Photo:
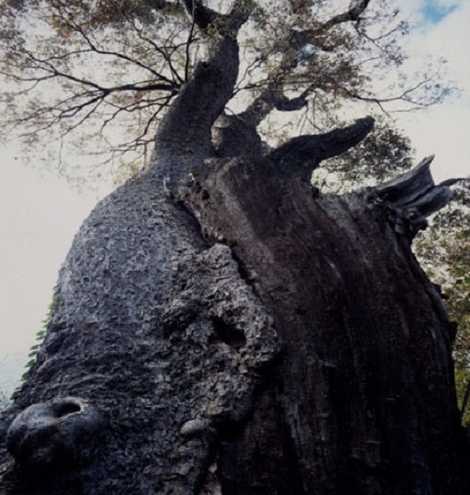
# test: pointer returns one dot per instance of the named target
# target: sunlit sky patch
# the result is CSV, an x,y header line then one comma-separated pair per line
x,y
435,11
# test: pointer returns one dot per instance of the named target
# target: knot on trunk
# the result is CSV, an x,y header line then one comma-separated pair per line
x,y
57,432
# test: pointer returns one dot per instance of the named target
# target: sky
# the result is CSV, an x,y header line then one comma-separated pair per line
x,y
40,212
436,11
443,130
39,215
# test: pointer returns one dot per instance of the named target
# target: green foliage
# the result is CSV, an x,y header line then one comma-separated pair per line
x,y
444,252
38,340
462,384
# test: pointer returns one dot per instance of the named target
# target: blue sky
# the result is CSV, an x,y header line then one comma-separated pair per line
x,y
434,11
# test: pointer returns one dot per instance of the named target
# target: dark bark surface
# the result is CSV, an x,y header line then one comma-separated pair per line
x,y
220,327
363,400
249,337
142,329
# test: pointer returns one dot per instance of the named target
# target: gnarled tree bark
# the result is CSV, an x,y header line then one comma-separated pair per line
x,y
219,326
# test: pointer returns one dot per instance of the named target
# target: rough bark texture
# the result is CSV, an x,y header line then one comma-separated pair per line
x,y
165,324
157,329
220,327
363,400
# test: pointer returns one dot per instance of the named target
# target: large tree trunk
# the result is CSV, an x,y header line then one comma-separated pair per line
x,y
363,399
250,336
220,327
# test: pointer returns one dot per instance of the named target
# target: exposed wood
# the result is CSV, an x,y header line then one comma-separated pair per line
x,y
406,188
414,196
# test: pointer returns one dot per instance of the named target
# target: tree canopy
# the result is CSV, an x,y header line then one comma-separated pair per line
x,y
444,251
100,75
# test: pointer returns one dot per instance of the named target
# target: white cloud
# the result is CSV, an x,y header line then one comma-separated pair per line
x,y
450,3
443,129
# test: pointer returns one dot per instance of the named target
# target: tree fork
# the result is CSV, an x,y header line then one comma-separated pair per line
x,y
184,135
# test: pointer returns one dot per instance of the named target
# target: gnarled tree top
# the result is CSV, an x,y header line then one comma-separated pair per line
x,y
102,75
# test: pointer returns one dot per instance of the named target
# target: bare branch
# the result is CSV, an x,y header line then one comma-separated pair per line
x,y
351,15
406,96
302,154
269,99
161,50
122,56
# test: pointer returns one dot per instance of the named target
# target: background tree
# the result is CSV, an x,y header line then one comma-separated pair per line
x,y
220,326
444,250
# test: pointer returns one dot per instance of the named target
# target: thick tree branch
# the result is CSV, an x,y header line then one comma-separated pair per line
x,y
225,24
186,129
238,133
272,98
202,15
304,153
233,136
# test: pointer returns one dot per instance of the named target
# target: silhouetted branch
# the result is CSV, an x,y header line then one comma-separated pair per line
x,y
414,196
201,15
304,153
272,96
187,126
352,14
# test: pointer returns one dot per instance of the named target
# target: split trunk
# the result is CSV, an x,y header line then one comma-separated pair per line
x,y
249,336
